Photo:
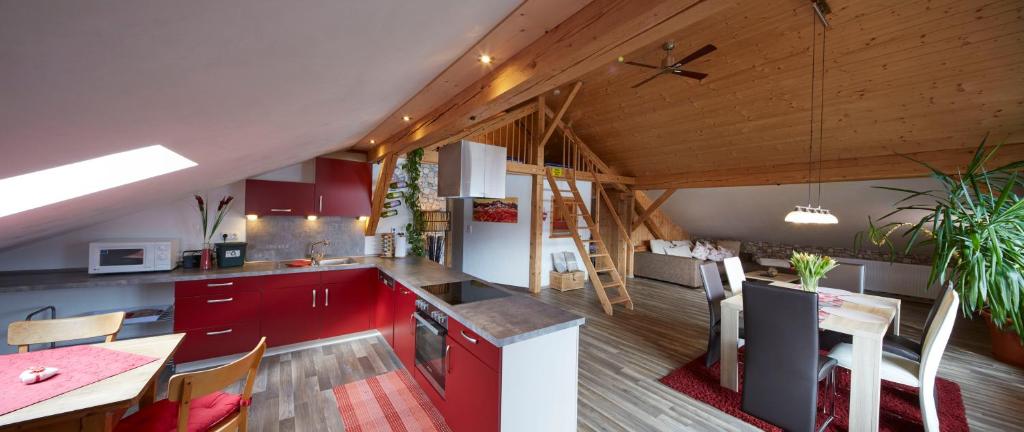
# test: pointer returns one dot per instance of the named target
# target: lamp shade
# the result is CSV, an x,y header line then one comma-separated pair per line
x,y
811,215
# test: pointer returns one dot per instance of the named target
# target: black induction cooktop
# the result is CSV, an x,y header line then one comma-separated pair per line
x,y
468,291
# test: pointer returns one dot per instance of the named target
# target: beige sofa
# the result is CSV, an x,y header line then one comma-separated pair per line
x,y
668,268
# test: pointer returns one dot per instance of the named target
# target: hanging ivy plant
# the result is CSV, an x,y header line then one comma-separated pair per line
x,y
411,196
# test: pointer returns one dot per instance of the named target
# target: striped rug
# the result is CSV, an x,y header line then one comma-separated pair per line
x,y
389,402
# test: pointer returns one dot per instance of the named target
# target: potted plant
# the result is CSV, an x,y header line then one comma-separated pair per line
x,y
206,256
974,229
811,268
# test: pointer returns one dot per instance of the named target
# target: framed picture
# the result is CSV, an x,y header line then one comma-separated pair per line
x,y
500,210
559,228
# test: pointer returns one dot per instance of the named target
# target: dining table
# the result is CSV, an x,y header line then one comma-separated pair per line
x,y
93,406
865,317
763,275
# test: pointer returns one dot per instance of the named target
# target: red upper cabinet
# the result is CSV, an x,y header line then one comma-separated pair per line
x,y
342,188
278,198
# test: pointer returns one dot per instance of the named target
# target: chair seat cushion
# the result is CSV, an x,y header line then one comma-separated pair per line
x,y
903,347
825,365
204,413
894,368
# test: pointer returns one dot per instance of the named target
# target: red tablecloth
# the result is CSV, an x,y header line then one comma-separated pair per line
x,y
79,366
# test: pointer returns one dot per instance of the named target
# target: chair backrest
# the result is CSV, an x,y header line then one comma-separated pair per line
x,y
713,289
183,388
934,311
937,335
847,277
734,272
25,333
780,364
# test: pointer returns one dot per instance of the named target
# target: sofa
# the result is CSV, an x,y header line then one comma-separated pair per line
x,y
668,268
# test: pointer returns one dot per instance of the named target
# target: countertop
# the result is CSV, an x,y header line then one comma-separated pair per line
x,y
501,321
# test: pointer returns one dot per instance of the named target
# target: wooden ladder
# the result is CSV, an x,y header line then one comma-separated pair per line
x,y
602,262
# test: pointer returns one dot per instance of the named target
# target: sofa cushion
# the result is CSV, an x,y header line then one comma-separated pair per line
x,y
679,251
732,245
701,251
658,246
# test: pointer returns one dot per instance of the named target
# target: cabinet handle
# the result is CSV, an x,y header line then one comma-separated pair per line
x,y
314,298
215,333
327,296
321,204
211,285
281,210
448,358
471,340
223,300
412,320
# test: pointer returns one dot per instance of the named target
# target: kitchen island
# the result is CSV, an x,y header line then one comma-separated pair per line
x,y
511,362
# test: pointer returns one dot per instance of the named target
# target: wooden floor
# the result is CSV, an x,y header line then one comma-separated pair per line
x,y
621,359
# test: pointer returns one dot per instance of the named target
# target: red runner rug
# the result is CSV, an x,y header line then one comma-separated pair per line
x,y
79,366
899,406
389,402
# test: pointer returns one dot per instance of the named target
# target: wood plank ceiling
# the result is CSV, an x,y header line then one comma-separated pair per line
x,y
923,77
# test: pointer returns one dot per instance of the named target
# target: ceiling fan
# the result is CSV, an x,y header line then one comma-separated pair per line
x,y
669,66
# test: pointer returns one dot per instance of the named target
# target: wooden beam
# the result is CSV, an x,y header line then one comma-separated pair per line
x,y
491,124
849,169
557,118
590,38
654,206
387,169
537,205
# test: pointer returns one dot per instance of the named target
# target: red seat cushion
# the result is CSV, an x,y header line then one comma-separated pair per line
x,y
205,412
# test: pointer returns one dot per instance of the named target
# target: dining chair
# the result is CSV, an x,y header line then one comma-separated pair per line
x,y
25,333
908,348
734,273
917,374
782,365
206,406
715,293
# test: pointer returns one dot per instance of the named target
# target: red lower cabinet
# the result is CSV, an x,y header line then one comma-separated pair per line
x,y
384,311
348,302
218,341
472,393
289,314
405,326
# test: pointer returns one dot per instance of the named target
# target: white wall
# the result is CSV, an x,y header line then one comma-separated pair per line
x,y
500,252
178,219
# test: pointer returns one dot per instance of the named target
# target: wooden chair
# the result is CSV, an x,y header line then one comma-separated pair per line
x,y
917,374
734,272
25,333
196,400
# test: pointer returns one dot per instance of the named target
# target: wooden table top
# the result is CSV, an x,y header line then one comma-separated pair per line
x,y
885,309
763,275
118,391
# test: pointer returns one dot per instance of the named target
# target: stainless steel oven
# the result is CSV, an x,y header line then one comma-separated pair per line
x,y
432,344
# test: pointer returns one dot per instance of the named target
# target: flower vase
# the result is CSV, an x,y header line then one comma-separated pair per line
x,y
809,283
206,257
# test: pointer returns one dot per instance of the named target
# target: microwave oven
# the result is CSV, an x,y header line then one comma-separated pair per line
x,y
130,256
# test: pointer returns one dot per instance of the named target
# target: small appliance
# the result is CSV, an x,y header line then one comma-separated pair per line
x,y
132,256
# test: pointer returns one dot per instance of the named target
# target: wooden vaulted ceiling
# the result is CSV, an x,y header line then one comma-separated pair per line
x,y
925,78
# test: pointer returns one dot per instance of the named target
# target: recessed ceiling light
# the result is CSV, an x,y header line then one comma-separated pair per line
x,y
486,59
52,185
311,217
252,217
373,141
406,118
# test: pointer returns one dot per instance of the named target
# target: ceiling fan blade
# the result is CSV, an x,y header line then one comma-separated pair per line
x,y
647,80
695,75
705,50
642,65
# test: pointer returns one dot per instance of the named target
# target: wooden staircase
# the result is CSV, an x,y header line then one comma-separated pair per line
x,y
603,263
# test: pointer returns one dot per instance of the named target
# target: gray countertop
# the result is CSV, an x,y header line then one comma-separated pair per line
x,y
502,321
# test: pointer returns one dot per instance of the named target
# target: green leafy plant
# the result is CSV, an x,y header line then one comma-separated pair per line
x,y
975,230
811,268
411,195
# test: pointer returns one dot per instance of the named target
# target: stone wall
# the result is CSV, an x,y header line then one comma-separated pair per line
x,y
276,238
763,249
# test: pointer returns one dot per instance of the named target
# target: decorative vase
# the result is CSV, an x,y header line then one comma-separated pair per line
x,y
809,283
1006,345
206,257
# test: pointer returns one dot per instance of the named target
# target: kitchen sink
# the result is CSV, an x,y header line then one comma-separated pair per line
x,y
337,261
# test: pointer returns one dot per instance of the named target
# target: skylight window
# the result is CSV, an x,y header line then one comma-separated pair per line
x,y
53,185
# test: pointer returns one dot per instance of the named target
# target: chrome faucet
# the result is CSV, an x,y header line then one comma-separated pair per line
x,y
317,255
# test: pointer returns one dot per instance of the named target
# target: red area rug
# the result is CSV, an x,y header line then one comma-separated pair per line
x,y
899,407
389,402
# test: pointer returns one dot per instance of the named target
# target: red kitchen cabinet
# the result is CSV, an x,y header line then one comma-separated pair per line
x,y
405,326
216,341
342,188
290,313
472,393
279,198
384,312
348,301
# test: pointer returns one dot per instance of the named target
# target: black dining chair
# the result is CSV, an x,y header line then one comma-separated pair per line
x,y
782,365
715,293
908,348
